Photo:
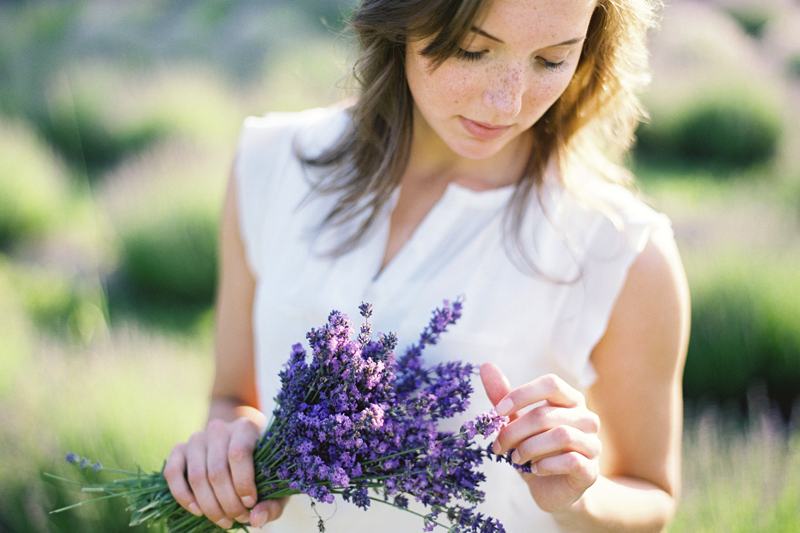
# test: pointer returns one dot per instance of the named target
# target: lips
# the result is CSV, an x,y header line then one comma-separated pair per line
x,y
482,130
487,125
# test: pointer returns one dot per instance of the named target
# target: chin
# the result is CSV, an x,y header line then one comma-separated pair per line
x,y
475,149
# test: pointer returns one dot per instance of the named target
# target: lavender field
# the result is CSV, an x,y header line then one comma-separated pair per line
x,y
118,124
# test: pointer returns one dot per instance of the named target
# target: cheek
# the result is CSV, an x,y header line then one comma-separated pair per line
x,y
450,85
545,91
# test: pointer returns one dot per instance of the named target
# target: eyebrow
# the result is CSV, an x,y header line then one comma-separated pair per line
x,y
492,37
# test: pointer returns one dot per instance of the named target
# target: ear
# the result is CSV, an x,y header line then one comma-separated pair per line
x,y
495,383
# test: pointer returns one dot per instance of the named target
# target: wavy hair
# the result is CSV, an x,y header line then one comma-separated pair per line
x,y
590,127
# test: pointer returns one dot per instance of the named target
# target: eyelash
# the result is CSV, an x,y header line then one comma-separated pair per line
x,y
475,56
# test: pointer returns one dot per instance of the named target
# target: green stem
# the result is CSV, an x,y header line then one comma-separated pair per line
x,y
405,509
106,497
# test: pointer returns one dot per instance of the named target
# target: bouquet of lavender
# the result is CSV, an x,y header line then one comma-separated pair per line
x,y
354,420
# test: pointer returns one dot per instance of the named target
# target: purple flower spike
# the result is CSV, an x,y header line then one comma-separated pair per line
x,y
366,329
365,309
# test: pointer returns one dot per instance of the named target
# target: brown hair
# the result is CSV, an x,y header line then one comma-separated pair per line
x,y
591,125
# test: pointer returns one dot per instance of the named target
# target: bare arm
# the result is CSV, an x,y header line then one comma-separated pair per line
x,y
233,393
639,362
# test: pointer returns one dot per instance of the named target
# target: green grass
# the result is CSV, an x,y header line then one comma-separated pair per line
x,y
738,479
33,184
125,402
16,332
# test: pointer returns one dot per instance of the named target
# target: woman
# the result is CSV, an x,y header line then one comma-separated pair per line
x,y
479,159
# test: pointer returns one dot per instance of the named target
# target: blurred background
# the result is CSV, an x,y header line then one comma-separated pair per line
x,y
118,125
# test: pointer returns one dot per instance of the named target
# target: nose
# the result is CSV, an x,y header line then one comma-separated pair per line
x,y
504,94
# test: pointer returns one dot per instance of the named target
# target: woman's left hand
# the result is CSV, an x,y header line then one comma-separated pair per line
x,y
559,437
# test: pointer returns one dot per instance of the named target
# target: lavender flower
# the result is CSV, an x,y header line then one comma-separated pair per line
x,y
352,419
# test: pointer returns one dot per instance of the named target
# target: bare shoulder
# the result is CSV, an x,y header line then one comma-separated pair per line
x,y
655,301
650,321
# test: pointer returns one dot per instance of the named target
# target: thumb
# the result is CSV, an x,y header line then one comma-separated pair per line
x,y
276,507
495,382
267,511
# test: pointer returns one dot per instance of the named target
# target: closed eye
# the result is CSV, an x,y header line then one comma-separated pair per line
x,y
550,65
476,56
469,56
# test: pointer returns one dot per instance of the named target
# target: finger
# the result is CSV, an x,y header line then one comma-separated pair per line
x,y
219,474
557,441
240,458
197,474
495,382
261,513
276,508
585,471
541,419
549,387
175,474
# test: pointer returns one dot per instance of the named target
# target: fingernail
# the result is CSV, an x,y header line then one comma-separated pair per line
x,y
224,523
515,457
534,470
259,518
194,509
504,407
243,518
248,501
496,447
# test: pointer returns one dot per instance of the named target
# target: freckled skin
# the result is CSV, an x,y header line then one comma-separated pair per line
x,y
509,85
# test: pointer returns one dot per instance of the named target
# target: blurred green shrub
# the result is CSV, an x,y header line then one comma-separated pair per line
x,y
745,328
173,254
70,309
99,113
728,123
752,18
78,127
84,119
165,209
713,100
33,185
793,65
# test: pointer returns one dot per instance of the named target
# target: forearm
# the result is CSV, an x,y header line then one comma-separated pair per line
x,y
619,504
229,408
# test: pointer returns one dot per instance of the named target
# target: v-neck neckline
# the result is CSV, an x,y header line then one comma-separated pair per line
x,y
454,192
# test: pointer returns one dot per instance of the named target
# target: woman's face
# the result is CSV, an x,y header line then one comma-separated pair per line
x,y
511,69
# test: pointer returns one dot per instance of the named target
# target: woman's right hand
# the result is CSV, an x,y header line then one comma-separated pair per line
x,y
218,465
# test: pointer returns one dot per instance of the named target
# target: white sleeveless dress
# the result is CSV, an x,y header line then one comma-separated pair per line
x,y
526,325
